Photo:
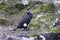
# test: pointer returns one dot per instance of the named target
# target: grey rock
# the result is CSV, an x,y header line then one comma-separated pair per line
x,y
10,38
49,36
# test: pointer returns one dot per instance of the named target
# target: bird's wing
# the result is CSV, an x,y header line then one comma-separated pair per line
x,y
23,18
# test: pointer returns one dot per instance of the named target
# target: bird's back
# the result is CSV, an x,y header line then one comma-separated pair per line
x,y
25,18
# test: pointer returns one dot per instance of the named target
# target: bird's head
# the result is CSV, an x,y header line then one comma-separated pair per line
x,y
28,10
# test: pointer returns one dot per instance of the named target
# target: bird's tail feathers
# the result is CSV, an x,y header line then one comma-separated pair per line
x,y
14,29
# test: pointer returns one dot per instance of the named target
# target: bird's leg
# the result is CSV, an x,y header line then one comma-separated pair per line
x,y
25,29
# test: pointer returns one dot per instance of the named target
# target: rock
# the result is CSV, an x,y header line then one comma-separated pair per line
x,y
10,38
3,36
49,36
25,38
20,37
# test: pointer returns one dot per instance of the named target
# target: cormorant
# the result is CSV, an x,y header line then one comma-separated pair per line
x,y
25,20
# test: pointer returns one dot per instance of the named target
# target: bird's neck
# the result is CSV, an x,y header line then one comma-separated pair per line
x,y
28,13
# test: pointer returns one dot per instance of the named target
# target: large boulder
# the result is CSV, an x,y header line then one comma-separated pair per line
x,y
49,36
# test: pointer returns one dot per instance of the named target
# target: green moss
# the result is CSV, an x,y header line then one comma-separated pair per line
x,y
44,8
55,29
47,8
47,26
49,17
33,35
4,22
33,3
35,25
10,11
2,6
19,6
36,11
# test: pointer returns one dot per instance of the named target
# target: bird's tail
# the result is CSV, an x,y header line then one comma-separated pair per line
x,y
14,29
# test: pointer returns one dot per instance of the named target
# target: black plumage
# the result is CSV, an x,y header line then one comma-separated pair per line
x,y
26,18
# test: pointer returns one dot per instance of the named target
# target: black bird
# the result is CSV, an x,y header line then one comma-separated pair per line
x,y
25,20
